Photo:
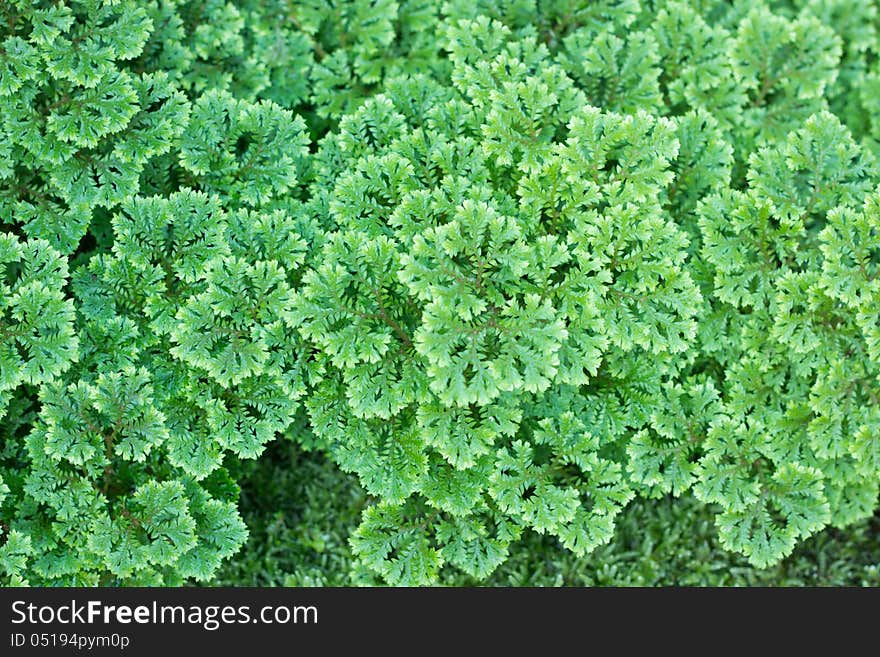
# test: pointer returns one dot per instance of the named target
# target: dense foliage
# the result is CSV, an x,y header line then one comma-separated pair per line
x,y
300,516
532,292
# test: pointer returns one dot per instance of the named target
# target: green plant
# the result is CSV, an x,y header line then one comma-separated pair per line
x,y
516,267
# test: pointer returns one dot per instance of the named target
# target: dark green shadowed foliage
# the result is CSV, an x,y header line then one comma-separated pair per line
x,y
416,292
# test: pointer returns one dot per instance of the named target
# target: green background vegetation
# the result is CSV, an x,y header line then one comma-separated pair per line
x,y
415,292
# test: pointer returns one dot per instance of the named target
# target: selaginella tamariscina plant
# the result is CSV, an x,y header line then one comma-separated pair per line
x,y
511,264
114,432
501,300
501,435
150,162
794,324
